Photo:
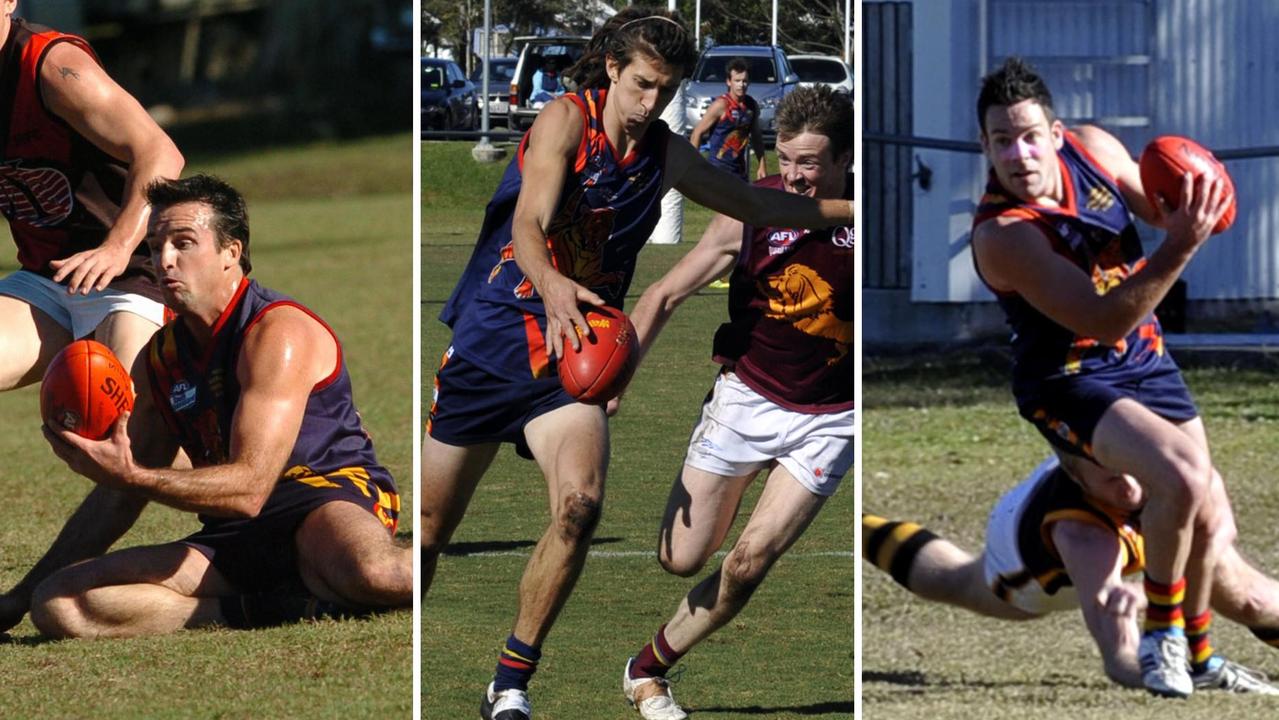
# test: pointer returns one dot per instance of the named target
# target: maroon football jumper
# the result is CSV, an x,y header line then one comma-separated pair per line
x,y
790,304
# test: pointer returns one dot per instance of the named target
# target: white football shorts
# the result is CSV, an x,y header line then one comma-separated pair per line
x,y
742,432
80,314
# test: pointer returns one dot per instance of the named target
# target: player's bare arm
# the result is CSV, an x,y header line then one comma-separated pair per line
x,y
712,116
757,144
552,149
713,256
1094,561
1015,256
76,89
282,359
723,192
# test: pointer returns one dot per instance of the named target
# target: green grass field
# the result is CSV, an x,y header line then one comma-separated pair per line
x,y
942,440
787,655
332,226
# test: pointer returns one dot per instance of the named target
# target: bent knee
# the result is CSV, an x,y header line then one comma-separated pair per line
x,y
578,515
57,615
1187,478
746,566
681,564
385,580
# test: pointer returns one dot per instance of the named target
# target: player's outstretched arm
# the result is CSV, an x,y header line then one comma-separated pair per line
x,y
552,150
77,90
712,116
1093,560
727,194
713,255
1015,256
283,357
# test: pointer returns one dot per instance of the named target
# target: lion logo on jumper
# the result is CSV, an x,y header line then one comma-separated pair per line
x,y
800,295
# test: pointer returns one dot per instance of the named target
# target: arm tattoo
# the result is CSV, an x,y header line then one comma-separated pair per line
x,y
67,72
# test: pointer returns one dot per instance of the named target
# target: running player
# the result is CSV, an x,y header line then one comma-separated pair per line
x,y
783,401
1067,537
1054,239
78,151
298,515
733,122
602,161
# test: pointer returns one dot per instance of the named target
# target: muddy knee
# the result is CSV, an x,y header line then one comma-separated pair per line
x,y
578,516
744,569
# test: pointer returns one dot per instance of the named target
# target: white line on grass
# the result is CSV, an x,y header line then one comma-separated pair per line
x,y
647,554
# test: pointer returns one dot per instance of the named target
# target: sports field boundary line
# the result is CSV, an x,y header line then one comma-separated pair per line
x,y
642,554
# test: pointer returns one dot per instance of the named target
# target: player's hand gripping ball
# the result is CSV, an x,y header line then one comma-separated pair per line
x,y
1167,158
85,389
600,370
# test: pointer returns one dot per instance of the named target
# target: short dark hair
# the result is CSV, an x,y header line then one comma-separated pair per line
x,y
231,215
1012,83
817,109
738,64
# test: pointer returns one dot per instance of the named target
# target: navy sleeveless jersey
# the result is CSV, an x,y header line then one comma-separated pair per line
x,y
1093,229
731,136
606,212
197,392
790,303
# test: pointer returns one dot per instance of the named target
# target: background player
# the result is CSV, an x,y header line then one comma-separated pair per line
x,y
783,401
1067,537
1054,240
733,123
253,387
79,151
602,162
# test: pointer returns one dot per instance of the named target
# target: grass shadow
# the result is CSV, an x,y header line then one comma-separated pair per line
x,y
836,707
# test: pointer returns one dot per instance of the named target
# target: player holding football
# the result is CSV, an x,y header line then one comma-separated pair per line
x,y
298,515
1053,238
783,401
602,161
1066,537
733,122
78,152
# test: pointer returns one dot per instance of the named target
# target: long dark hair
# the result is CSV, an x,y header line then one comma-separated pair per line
x,y
660,34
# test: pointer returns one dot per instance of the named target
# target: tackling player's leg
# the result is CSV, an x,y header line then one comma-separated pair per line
x,y
784,511
30,339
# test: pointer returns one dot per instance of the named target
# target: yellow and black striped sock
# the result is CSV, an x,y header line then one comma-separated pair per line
x,y
1197,637
1163,611
892,545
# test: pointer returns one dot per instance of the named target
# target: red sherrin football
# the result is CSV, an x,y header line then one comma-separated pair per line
x,y
85,389
600,370
1167,158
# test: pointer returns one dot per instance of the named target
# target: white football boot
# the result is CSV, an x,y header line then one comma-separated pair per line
x,y
661,706
509,704
1165,670
1232,677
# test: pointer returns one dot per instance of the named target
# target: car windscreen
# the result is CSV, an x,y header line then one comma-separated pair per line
x,y
559,56
432,77
499,71
813,70
714,68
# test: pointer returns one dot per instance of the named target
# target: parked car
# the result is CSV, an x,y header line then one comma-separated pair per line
x,y
448,98
771,80
537,53
501,70
823,70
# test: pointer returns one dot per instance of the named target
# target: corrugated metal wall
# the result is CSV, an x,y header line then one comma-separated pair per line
x,y
887,55
1208,69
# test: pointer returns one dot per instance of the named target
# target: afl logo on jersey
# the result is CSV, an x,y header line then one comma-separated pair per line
x,y
36,196
779,241
182,396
